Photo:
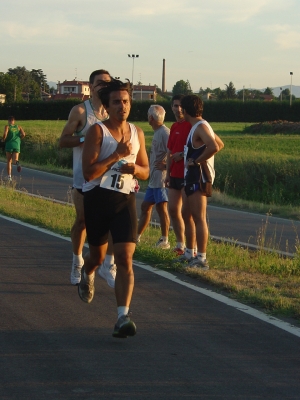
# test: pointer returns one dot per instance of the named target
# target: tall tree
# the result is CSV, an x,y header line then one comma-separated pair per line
x,y
269,91
230,91
205,91
23,76
10,86
182,87
31,82
41,79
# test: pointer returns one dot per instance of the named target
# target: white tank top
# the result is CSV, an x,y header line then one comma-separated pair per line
x,y
91,119
113,179
189,141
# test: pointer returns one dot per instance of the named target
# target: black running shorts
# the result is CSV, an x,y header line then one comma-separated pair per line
x,y
176,183
106,210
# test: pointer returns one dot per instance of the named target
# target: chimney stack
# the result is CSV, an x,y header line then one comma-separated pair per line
x,y
163,86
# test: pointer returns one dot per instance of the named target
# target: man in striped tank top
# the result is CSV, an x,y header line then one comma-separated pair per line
x,y
114,153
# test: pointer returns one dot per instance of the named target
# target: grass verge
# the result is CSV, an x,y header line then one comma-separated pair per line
x,y
266,280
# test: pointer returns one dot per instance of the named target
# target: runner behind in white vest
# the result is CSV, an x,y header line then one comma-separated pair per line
x,y
81,117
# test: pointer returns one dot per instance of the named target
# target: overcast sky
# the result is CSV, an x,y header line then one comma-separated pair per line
x,y
253,43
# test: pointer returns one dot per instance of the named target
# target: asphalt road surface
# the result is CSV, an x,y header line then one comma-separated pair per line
x,y
188,345
255,229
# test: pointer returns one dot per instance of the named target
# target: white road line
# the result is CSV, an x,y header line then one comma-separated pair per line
x,y
216,296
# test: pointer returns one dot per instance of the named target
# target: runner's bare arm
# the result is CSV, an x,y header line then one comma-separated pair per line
x,y
168,165
5,133
22,132
219,142
75,123
202,136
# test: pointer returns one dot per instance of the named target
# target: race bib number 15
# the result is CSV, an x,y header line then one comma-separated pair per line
x,y
113,180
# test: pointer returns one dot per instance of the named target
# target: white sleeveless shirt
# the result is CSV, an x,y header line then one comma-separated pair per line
x,y
189,145
113,179
91,119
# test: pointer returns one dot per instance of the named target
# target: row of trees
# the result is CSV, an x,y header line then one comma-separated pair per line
x,y
19,82
184,87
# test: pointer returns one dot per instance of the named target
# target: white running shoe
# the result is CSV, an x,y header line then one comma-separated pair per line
x,y
197,263
76,274
108,273
161,244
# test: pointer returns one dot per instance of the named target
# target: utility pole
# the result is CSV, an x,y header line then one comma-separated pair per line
x,y
291,88
133,56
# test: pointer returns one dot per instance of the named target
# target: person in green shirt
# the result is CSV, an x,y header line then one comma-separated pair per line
x,y
12,137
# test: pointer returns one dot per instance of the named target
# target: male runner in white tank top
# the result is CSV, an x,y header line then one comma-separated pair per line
x,y
81,117
202,143
113,154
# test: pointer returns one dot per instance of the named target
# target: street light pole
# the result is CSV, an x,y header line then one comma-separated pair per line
x,y
281,94
133,56
291,88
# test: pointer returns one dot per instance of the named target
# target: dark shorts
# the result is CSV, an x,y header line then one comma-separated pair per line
x,y
205,189
176,183
12,150
106,210
78,190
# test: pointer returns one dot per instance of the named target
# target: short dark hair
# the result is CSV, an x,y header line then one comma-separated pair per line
x,y
97,72
11,118
113,86
193,105
176,97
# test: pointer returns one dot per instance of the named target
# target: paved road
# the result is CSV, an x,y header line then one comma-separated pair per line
x,y
188,345
239,226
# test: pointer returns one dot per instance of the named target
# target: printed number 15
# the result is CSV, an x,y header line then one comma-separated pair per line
x,y
117,181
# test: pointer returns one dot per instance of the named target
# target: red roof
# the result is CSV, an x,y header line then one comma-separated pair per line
x,y
74,82
148,88
267,97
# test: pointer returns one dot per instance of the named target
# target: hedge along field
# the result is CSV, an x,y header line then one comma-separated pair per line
x,y
214,111
263,168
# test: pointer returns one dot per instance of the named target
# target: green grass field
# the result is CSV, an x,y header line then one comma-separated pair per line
x,y
263,169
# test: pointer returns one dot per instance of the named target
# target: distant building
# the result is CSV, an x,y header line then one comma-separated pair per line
x,y
209,96
72,89
81,90
2,98
267,97
143,92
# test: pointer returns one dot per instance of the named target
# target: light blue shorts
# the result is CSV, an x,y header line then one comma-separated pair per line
x,y
156,195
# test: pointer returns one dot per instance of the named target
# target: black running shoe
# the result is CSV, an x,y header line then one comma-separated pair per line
x,y
124,327
19,168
